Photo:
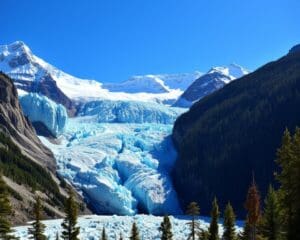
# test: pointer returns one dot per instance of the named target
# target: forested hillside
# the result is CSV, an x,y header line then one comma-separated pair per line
x,y
234,133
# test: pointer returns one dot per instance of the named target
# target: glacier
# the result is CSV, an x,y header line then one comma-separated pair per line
x,y
91,227
39,108
120,168
107,111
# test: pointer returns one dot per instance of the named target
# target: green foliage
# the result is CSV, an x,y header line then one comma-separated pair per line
x,y
22,170
288,158
134,232
5,212
214,227
229,223
270,222
103,235
70,230
193,210
235,131
203,235
38,228
166,229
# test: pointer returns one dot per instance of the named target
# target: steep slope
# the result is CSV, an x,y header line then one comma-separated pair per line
x,y
28,166
13,123
235,131
213,80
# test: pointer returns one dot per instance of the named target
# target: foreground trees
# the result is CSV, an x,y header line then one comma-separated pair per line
x,y
229,223
193,210
166,229
134,232
214,227
70,230
38,228
5,212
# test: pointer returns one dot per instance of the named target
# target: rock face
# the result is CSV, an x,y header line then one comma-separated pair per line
x,y
25,162
39,108
14,123
208,83
230,134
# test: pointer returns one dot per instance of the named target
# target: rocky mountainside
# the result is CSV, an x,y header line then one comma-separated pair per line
x,y
28,166
234,132
14,124
208,83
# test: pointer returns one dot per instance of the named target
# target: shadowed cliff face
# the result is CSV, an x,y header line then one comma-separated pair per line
x,y
16,125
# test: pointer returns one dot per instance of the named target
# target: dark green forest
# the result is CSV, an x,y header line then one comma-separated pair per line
x,y
233,134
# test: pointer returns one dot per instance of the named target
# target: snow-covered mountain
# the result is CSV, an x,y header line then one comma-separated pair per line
x,y
32,74
213,80
160,83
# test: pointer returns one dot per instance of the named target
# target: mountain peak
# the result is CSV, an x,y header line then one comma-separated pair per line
x,y
295,48
232,70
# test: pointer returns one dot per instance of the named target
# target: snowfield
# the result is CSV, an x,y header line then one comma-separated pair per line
x,y
91,227
120,168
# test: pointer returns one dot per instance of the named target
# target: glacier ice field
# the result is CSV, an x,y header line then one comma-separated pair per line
x,y
120,168
91,227
117,154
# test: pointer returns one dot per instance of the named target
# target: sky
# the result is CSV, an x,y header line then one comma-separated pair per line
x,y
111,40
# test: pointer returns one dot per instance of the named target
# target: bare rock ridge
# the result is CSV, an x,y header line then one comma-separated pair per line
x,y
16,125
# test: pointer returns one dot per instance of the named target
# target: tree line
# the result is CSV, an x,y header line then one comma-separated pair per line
x,y
278,220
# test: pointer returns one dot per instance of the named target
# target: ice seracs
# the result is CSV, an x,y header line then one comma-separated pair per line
x,y
39,108
120,168
107,111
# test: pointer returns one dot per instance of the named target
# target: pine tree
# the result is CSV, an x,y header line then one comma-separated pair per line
x,y
245,234
166,229
193,210
38,228
70,231
288,159
134,232
57,236
203,235
229,223
269,224
5,212
121,237
214,227
252,206
103,235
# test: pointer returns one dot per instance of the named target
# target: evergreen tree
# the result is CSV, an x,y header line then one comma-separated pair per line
x,y
245,234
193,210
252,206
57,236
5,212
70,231
214,227
229,223
203,235
38,228
288,159
103,234
269,224
134,232
166,229
121,237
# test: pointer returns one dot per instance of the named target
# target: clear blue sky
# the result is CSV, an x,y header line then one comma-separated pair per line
x,y
110,40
